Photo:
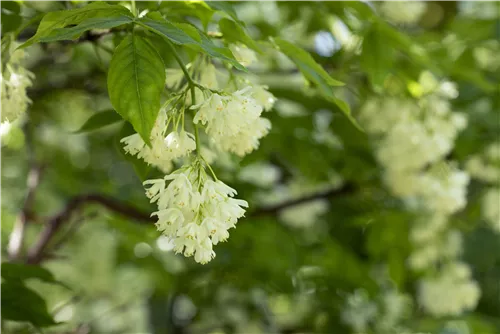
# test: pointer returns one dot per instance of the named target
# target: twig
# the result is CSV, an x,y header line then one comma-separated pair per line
x,y
35,254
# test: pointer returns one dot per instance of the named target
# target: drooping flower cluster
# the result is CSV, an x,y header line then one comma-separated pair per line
x,y
403,12
413,140
195,211
14,80
165,146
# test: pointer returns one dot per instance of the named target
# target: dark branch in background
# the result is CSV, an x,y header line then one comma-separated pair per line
x,y
37,252
17,236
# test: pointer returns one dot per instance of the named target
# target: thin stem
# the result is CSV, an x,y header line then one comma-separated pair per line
x,y
196,134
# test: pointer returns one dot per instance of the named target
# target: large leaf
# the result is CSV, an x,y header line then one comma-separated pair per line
x,y
100,120
136,79
61,19
185,34
233,32
20,303
93,23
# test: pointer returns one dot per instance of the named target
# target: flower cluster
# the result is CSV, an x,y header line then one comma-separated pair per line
x,y
451,292
194,211
14,80
403,12
164,147
413,140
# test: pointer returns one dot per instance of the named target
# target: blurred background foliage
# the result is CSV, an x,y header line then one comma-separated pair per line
x,y
282,271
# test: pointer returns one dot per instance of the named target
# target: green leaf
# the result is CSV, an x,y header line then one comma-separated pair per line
x,y
176,33
11,20
99,120
313,72
185,34
233,33
136,79
308,66
61,19
223,6
377,57
93,23
20,303
20,272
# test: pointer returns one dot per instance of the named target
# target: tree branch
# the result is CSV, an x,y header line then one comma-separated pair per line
x,y
36,254
17,236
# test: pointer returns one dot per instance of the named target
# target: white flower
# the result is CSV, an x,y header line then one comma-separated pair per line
x,y
195,211
359,311
14,79
164,149
263,97
243,55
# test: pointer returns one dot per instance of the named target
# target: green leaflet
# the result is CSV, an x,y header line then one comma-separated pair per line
x,y
100,120
185,34
233,32
61,19
93,23
136,79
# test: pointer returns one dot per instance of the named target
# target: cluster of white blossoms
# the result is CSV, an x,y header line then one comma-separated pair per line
x,y
485,167
194,211
165,145
451,292
403,12
413,139
15,79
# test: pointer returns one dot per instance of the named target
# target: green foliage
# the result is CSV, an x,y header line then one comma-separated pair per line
x,y
11,20
233,32
99,120
61,19
136,79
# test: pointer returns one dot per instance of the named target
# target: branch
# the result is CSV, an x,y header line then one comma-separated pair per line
x,y
17,236
35,254
330,193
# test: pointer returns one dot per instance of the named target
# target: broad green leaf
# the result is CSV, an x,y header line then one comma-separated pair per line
x,y
99,120
20,303
233,33
136,79
61,19
185,34
181,9
223,6
93,23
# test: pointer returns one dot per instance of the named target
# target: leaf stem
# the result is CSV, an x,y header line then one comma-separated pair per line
x,y
192,86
